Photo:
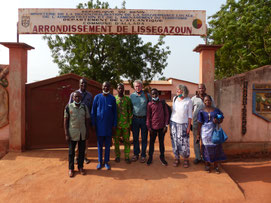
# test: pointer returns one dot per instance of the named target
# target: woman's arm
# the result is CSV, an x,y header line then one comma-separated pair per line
x,y
190,116
189,126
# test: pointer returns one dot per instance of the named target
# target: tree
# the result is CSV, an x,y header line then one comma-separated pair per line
x,y
243,27
108,57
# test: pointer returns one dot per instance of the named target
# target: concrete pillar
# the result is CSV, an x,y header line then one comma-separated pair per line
x,y
17,80
207,66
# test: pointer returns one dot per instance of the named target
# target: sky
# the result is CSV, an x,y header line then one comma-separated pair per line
x,y
183,63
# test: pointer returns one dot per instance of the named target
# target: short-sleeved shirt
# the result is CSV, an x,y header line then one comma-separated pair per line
x,y
140,103
181,110
198,104
87,99
77,117
124,110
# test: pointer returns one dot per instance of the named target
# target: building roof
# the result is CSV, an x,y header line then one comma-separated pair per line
x,y
163,82
182,80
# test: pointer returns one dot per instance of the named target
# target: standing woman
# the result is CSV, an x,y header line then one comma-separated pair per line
x,y
207,120
180,124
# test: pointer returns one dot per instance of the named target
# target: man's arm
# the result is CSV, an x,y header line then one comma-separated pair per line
x,y
213,102
94,112
148,118
66,128
166,114
87,122
130,111
114,105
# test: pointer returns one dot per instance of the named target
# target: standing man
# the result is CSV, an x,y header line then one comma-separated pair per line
x,y
139,100
124,109
87,100
76,123
104,121
198,104
157,122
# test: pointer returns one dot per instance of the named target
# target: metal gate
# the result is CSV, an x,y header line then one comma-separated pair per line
x,y
45,103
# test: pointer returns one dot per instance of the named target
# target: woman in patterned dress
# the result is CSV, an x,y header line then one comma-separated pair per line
x,y
207,119
180,124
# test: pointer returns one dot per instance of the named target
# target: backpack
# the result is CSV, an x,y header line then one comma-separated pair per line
x,y
165,105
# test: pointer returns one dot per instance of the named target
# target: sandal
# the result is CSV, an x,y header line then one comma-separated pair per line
x,y
186,163
176,162
134,158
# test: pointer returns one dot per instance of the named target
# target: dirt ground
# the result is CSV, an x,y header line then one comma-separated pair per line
x,y
253,176
42,176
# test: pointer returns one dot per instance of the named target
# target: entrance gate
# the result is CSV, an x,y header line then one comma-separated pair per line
x,y
45,104
22,135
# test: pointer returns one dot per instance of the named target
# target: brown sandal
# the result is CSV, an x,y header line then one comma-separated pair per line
x,y
186,164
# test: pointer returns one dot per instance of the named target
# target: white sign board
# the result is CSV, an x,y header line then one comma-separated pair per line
x,y
112,21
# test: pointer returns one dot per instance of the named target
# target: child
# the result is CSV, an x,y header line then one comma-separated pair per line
x,y
157,121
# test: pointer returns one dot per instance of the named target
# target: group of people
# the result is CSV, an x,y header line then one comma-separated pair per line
x,y
116,116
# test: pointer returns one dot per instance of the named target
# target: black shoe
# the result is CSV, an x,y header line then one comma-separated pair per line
x,y
149,161
163,161
117,159
208,168
87,161
197,161
217,170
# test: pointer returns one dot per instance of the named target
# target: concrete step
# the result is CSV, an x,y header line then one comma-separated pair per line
x,y
4,140
4,144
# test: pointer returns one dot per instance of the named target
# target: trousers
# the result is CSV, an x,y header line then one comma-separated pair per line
x,y
161,136
196,145
106,142
81,149
125,133
140,123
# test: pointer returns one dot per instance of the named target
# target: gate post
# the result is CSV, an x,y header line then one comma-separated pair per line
x,y
207,66
17,80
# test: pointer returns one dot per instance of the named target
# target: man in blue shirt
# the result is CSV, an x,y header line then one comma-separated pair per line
x,y
139,101
87,100
104,120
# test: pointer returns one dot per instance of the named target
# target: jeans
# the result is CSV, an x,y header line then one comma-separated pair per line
x,y
161,136
81,149
140,123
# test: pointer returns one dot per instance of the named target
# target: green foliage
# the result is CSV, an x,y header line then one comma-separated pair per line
x,y
108,57
243,27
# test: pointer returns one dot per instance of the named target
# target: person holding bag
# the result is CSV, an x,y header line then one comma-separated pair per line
x,y
208,119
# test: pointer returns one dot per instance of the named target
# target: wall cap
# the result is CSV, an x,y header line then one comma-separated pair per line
x,y
202,47
17,45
